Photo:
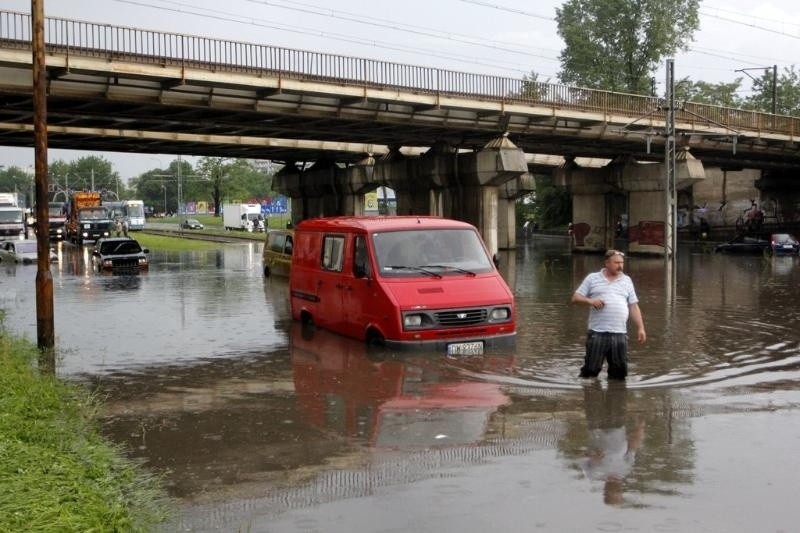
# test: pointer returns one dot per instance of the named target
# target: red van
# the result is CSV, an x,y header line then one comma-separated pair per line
x,y
406,281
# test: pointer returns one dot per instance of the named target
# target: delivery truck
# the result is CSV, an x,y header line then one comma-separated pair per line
x,y
401,282
12,217
243,217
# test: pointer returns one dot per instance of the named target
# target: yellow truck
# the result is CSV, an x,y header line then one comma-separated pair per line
x,y
87,218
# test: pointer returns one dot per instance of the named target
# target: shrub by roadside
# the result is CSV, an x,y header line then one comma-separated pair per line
x,y
57,473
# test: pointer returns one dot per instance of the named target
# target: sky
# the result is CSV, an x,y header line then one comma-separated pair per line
x,y
508,38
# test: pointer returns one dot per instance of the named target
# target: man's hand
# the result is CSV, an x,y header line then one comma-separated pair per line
x,y
597,303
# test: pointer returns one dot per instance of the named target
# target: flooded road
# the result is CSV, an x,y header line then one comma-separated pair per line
x,y
260,425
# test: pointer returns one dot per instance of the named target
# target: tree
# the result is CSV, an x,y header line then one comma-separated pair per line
x,y
215,170
15,179
788,92
701,92
616,45
550,206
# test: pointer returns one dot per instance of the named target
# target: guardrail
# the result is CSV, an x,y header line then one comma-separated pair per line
x,y
80,38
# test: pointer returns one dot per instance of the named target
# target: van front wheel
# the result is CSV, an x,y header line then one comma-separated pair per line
x,y
375,339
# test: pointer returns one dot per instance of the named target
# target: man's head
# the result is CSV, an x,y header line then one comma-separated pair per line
x,y
614,262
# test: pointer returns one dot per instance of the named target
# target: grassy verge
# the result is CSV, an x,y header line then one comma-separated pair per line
x,y
157,242
56,471
210,221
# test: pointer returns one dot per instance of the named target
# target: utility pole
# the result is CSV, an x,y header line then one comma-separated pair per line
x,y
774,83
44,278
774,89
670,192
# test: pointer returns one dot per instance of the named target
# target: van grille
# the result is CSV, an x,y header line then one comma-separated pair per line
x,y
463,317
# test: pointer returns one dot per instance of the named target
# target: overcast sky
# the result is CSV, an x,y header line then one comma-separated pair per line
x,y
503,37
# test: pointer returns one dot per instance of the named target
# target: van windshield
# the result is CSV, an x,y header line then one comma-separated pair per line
x,y
430,252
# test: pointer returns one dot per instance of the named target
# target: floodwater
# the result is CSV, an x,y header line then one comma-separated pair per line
x,y
259,425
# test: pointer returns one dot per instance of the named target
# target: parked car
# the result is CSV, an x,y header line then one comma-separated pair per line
x,y
191,223
23,251
119,254
745,245
277,255
783,243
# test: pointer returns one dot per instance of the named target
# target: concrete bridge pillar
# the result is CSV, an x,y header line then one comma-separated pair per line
x,y
356,180
320,192
624,187
508,193
475,199
401,173
437,173
287,181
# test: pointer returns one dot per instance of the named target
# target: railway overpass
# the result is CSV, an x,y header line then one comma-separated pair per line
x,y
450,143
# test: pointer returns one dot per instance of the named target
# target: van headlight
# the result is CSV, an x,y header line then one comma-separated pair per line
x,y
417,320
412,321
500,314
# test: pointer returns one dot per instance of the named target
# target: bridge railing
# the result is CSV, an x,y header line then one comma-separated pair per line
x,y
80,38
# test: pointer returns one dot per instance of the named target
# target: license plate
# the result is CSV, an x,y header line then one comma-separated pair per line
x,y
465,348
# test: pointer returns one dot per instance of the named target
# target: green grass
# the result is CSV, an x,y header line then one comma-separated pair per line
x,y
57,473
157,242
210,221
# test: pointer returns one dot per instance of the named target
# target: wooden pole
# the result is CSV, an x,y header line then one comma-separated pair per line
x,y
44,278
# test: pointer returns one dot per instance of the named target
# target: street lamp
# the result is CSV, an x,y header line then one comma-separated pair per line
x,y
165,198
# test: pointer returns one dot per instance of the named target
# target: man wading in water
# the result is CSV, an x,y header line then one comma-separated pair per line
x,y
611,297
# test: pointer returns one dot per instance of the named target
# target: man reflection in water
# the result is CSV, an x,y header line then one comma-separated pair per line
x,y
611,451
611,298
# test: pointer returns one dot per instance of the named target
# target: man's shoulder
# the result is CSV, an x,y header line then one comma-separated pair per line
x,y
594,276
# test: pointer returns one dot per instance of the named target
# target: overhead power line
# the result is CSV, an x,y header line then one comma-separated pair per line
x,y
750,25
509,9
232,17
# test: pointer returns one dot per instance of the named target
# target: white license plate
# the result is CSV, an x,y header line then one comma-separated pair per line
x,y
465,348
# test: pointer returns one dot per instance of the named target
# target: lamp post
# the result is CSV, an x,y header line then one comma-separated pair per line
x,y
164,186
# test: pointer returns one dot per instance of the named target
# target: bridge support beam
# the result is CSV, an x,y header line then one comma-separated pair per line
x,y
604,197
467,186
508,194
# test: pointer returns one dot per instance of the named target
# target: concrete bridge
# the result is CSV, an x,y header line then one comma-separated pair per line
x,y
450,143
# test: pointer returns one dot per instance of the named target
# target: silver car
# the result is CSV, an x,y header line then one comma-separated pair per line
x,y
22,251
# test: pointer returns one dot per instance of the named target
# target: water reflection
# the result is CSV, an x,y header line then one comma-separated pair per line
x,y
611,449
260,426
413,402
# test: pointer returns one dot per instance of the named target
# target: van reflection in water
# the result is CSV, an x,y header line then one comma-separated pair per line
x,y
409,402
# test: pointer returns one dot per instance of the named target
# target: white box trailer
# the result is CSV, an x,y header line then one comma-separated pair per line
x,y
242,217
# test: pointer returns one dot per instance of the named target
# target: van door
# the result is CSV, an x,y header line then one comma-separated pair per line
x,y
331,282
358,295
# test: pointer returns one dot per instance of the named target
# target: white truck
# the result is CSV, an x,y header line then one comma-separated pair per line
x,y
243,217
12,217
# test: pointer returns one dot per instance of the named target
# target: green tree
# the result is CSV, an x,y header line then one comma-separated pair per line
x,y
616,45
215,170
550,206
701,92
16,179
788,92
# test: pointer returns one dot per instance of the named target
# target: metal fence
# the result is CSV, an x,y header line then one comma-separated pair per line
x,y
79,38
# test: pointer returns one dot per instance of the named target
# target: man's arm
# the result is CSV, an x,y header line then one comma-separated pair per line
x,y
638,321
578,298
